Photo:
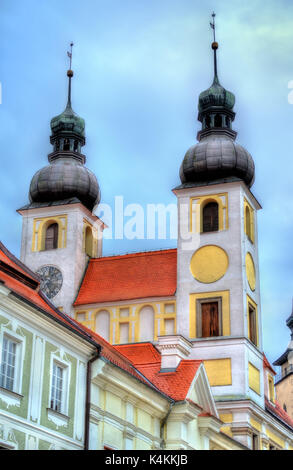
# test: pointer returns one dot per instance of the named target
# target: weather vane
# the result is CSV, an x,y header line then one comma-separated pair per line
x,y
70,55
213,26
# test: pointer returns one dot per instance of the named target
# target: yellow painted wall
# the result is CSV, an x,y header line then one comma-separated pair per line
x,y
40,226
218,371
227,418
209,264
225,310
144,420
197,204
254,378
249,228
163,311
256,424
113,404
273,437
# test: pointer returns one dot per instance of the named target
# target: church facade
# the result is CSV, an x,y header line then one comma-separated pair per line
x,y
197,302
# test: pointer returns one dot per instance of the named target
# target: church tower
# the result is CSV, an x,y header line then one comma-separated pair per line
x,y
218,293
60,231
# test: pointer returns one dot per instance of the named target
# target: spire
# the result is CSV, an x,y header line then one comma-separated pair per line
x,y
215,105
68,129
69,75
215,46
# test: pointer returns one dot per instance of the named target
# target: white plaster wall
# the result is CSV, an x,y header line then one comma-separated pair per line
x,y
71,260
236,244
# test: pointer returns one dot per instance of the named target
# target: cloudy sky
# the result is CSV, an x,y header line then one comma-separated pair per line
x,y
139,67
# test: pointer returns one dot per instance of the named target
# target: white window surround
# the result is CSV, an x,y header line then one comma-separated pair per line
x,y
66,368
19,358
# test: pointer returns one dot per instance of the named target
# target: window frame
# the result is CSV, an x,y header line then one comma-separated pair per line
x,y
251,304
208,300
19,358
203,208
66,368
55,236
249,230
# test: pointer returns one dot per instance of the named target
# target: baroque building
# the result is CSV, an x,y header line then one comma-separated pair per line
x,y
186,321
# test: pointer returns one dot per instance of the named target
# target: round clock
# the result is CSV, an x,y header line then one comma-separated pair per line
x,y
51,280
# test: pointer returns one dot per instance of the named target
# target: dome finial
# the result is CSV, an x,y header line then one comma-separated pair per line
x,y
69,75
215,46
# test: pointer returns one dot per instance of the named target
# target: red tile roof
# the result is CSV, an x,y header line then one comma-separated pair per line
x,y
147,360
267,365
132,276
142,360
278,412
14,275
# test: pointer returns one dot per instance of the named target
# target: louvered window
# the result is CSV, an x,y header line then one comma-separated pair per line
x,y
210,216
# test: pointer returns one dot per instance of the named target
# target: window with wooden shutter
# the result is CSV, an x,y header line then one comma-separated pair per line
x,y
51,240
210,319
210,217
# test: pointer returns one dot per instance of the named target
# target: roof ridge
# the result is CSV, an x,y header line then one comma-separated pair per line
x,y
132,255
19,263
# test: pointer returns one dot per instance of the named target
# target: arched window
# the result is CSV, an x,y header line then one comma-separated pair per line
x,y
210,217
89,241
208,122
227,122
218,120
51,237
66,145
75,145
103,324
248,222
146,323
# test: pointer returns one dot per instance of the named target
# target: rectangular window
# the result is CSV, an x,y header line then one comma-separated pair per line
x,y
8,364
209,319
57,388
252,324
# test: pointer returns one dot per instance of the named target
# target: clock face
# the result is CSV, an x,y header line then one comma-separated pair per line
x,y
51,280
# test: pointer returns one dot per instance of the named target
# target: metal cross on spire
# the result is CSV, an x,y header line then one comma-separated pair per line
x,y
213,26
215,47
70,55
69,75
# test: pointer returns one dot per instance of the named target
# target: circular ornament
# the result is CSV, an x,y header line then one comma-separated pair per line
x,y
250,271
209,263
51,280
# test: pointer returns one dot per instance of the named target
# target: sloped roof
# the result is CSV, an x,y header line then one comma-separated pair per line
x,y
267,364
131,276
147,359
26,285
277,411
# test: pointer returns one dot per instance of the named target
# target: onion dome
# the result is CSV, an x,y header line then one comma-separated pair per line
x,y
217,157
216,96
66,178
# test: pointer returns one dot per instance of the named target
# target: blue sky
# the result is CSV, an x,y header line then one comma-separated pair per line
x,y
139,68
